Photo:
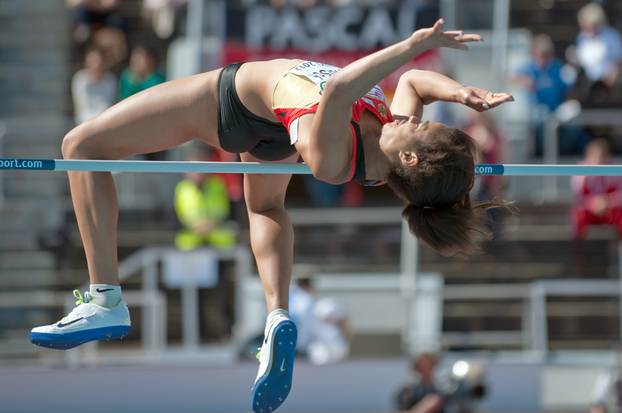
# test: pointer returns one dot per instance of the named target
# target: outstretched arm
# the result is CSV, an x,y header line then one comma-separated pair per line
x,y
421,87
327,149
357,78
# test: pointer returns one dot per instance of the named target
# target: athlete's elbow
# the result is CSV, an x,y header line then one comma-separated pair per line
x,y
324,171
336,88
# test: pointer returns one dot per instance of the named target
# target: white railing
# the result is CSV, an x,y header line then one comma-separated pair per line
x,y
354,290
533,335
147,263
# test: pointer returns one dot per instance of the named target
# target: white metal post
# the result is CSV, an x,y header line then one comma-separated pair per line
x,y
500,29
194,31
190,315
242,272
551,155
408,283
538,322
448,12
150,323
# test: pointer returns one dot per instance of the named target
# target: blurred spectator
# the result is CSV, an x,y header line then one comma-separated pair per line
x,y
483,129
113,45
323,194
598,198
606,394
326,195
141,74
331,338
162,14
301,302
93,88
599,55
607,391
91,15
431,391
323,331
544,78
422,394
599,46
202,206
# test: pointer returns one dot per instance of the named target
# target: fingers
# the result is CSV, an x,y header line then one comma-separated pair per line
x,y
454,39
478,104
459,35
497,99
494,100
438,26
470,38
505,97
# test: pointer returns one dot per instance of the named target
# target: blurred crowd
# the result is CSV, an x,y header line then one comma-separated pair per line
x,y
588,77
112,69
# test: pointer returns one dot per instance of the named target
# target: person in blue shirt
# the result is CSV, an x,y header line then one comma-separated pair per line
x,y
544,78
543,74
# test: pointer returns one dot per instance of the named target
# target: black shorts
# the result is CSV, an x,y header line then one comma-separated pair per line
x,y
240,131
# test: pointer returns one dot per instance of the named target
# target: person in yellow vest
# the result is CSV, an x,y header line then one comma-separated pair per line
x,y
202,206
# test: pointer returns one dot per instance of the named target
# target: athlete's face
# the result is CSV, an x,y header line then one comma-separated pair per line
x,y
399,138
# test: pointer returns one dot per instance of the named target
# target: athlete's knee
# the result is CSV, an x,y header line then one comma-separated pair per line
x,y
73,142
77,144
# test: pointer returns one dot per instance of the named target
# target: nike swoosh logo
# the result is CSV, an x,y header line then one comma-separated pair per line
x,y
61,325
282,368
104,290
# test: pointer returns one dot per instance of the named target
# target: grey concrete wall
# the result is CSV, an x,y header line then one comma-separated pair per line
x,y
356,386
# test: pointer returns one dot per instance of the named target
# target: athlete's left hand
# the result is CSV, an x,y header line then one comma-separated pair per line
x,y
435,36
481,99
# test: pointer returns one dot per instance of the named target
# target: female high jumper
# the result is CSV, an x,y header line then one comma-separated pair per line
x,y
336,120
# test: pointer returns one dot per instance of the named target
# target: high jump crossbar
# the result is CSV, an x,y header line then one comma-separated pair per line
x,y
63,165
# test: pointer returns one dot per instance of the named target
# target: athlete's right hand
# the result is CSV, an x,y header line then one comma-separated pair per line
x,y
433,37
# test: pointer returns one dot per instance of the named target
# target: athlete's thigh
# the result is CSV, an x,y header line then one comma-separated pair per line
x,y
265,191
156,119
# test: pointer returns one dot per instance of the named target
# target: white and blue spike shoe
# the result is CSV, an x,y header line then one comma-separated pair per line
x,y
86,322
276,366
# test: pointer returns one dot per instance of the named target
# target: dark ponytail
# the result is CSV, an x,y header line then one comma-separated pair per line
x,y
436,191
450,230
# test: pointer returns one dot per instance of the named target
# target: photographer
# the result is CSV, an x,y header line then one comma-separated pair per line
x,y
431,392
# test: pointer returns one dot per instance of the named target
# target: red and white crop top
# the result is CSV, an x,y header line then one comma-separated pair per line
x,y
298,93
